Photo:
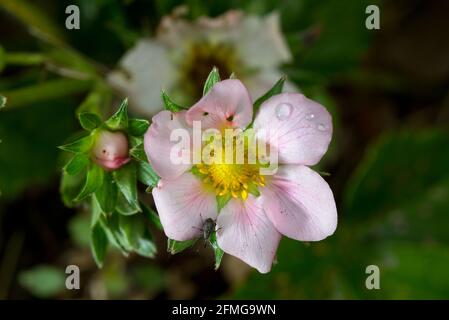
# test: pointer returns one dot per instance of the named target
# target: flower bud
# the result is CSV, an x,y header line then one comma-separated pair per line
x,y
111,149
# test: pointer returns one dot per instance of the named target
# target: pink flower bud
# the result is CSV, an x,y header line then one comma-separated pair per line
x,y
111,150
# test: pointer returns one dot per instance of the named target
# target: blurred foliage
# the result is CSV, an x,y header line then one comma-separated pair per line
x,y
395,217
43,281
28,155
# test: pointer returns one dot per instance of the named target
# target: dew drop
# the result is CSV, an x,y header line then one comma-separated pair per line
x,y
321,127
283,111
310,116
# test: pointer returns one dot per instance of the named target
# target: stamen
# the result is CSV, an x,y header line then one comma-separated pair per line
x,y
231,179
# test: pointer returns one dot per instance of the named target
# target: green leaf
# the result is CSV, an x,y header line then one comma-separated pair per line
x,y
169,104
94,180
276,89
124,207
138,153
114,234
175,247
2,101
77,164
146,174
145,246
45,91
222,201
137,235
138,127
152,216
218,252
89,121
106,195
43,281
212,79
81,145
126,179
99,244
119,121
96,212
70,187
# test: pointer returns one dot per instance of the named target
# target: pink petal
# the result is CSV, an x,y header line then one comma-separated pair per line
x,y
111,149
300,204
158,146
303,128
227,104
244,231
113,164
183,205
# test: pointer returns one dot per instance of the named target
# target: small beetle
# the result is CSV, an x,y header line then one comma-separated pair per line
x,y
208,228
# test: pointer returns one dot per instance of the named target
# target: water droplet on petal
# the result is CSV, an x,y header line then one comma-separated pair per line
x,y
321,127
310,116
283,111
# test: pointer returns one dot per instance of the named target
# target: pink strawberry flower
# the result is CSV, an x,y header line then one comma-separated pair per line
x,y
295,201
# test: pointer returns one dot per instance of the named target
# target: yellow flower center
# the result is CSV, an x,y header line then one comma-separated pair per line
x,y
231,179
236,180
200,58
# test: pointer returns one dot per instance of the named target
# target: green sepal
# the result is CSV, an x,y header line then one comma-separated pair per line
x,y
212,79
96,212
129,234
70,187
106,194
114,234
76,164
124,207
138,153
169,104
146,174
98,244
94,180
138,127
276,89
151,215
89,121
119,120
175,247
81,145
135,142
222,201
126,179
136,235
218,252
